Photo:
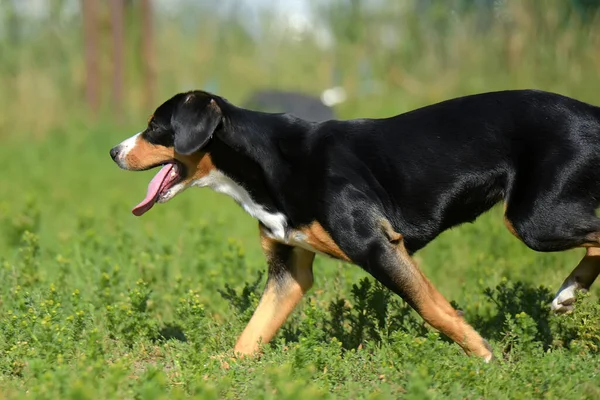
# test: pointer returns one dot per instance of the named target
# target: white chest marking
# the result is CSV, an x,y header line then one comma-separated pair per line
x,y
221,183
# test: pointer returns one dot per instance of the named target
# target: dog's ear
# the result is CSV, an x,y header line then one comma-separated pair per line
x,y
194,121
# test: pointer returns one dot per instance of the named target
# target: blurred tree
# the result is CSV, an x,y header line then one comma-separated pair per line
x,y
345,18
118,59
12,21
147,50
55,9
587,9
90,33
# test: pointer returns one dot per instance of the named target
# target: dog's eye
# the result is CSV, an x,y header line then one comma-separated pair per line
x,y
157,135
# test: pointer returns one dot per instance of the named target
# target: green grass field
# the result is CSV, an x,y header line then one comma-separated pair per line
x,y
97,303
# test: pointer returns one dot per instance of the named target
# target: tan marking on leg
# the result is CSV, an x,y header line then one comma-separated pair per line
x,y
593,240
279,299
509,224
511,228
436,310
319,239
392,235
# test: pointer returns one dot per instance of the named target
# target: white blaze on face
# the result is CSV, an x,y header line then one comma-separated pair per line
x,y
128,144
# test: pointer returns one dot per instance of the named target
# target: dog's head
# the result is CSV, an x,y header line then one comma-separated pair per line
x,y
176,139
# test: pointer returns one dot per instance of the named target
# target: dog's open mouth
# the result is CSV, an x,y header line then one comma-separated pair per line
x,y
169,175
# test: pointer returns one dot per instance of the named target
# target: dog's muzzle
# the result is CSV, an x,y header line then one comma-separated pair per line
x,y
117,154
114,152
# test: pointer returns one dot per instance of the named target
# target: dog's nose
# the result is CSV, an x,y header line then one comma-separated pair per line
x,y
114,152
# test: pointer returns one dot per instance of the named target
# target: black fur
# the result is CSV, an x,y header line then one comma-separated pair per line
x,y
185,122
194,122
424,171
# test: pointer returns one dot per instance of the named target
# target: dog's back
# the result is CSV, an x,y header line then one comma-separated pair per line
x,y
447,163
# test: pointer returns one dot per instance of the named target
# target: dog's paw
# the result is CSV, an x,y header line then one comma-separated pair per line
x,y
490,357
564,301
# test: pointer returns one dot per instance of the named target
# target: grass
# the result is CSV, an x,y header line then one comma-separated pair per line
x,y
96,303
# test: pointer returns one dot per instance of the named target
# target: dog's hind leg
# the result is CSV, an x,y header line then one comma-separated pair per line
x,y
399,272
555,225
581,278
290,277
384,256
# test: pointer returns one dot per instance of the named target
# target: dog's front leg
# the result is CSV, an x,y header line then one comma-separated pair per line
x,y
290,277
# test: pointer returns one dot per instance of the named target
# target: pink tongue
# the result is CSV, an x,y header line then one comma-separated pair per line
x,y
153,188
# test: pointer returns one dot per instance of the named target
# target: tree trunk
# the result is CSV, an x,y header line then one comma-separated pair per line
x,y
90,33
147,41
116,13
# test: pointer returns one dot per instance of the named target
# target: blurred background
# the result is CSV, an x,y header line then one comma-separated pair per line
x,y
79,76
63,61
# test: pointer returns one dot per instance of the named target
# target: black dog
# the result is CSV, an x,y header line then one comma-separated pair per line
x,y
374,191
299,104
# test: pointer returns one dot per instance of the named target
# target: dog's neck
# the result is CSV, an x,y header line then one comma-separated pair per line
x,y
262,136
254,162
273,142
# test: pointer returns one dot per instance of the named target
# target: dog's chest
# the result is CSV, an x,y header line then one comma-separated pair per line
x,y
276,222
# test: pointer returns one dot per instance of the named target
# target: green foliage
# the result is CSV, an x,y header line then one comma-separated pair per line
x,y
581,331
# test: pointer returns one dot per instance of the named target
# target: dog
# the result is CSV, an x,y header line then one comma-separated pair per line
x,y
372,192
299,104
